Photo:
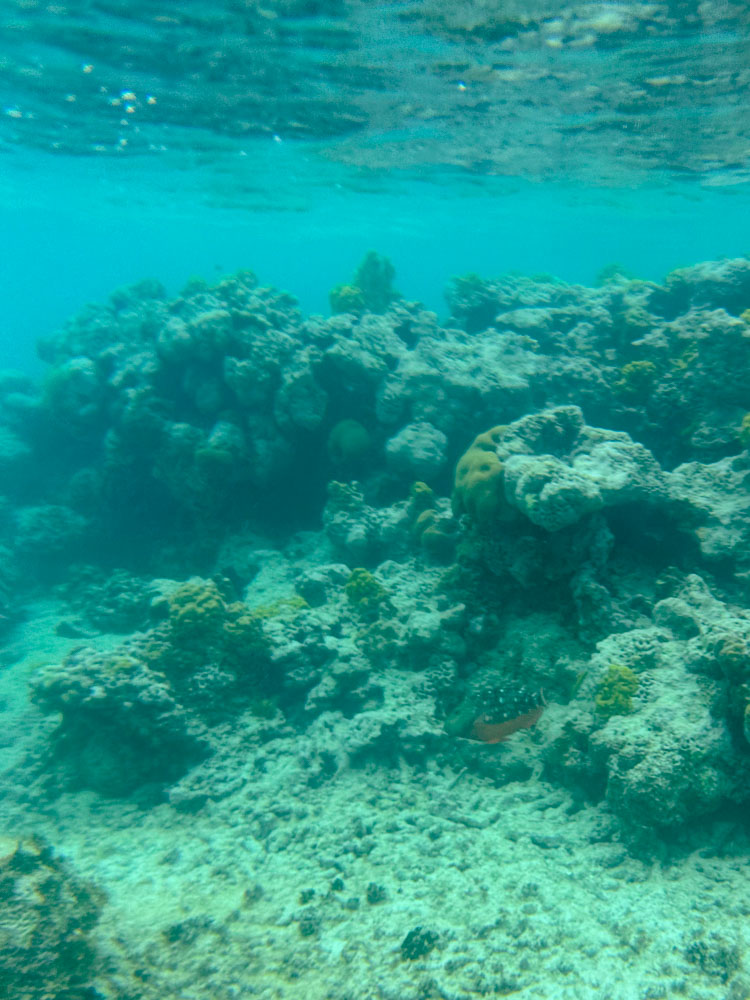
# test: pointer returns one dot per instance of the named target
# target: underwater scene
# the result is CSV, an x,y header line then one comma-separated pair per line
x,y
375,500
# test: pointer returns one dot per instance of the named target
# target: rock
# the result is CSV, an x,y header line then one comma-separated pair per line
x,y
417,452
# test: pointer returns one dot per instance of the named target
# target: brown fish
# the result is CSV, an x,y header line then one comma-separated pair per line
x,y
495,732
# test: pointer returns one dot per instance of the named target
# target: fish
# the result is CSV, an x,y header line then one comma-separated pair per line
x,y
485,730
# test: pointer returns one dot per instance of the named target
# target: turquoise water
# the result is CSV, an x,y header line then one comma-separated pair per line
x,y
294,137
374,428
126,228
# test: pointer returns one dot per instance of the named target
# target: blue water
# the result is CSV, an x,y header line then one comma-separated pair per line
x,y
535,138
74,231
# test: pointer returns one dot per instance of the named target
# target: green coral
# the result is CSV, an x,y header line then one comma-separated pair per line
x,y
195,285
473,300
204,628
371,289
637,379
434,532
375,276
613,272
280,607
196,608
346,299
685,361
733,657
744,432
615,692
242,637
471,284
263,708
349,442
207,659
73,397
364,591
746,722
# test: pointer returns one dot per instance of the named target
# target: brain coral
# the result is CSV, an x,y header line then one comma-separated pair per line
x,y
478,483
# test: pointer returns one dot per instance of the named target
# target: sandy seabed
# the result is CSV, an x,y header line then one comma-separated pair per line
x,y
302,885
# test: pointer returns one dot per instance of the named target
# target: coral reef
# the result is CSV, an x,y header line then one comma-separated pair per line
x,y
680,756
298,623
371,288
140,714
220,402
47,537
121,725
111,602
46,917
364,591
538,608
347,299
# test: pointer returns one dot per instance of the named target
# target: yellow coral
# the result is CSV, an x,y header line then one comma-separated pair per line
x,y
421,498
426,519
615,692
638,379
196,607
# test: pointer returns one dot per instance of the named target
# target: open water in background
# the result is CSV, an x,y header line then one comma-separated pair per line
x,y
290,137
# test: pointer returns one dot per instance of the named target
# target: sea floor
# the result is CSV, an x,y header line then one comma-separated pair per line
x,y
395,882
